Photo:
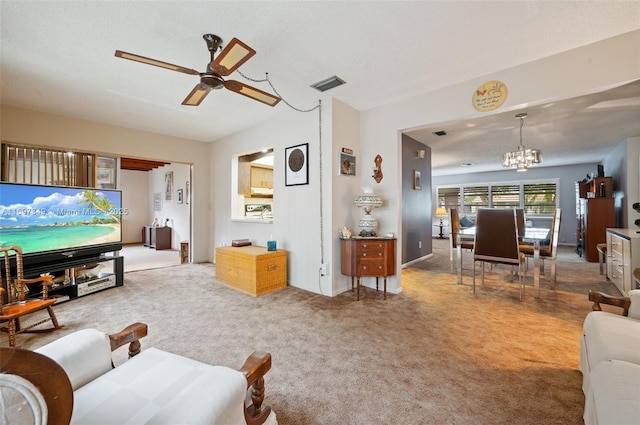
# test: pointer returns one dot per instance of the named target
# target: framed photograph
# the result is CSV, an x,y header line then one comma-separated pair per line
x,y
179,200
297,165
417,180
105,176
157,201
168,185
347,164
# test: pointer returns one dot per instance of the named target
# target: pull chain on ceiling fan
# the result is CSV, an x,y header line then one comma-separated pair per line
x,y
230,58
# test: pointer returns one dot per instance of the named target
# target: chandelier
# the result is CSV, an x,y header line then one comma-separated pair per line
x,y
522,158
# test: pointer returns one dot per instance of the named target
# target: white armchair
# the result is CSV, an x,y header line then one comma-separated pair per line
x,y
155,386
610,361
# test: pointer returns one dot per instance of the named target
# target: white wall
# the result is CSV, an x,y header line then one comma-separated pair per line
x,y
296,209
345,134
133,183
178,214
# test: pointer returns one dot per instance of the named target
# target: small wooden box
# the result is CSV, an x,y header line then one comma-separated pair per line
x,y
252,269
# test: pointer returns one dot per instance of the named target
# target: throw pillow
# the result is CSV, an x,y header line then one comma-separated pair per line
x,y
466,222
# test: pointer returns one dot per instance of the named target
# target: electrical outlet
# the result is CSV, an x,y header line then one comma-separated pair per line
x,y
419,244
324,269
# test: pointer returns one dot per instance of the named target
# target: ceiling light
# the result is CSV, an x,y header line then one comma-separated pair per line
x,y
522,158
329,83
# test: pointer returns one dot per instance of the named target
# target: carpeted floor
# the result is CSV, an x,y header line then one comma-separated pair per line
x,y
434,354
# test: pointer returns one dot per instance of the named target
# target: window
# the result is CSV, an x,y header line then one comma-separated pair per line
x,y
505,196
535,197
449,197
475,197
540,198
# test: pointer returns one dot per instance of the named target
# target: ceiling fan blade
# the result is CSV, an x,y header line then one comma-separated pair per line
x,y
149,61
252,92
197,95
232,56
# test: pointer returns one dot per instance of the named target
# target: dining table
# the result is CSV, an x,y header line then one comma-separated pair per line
x,y
531,234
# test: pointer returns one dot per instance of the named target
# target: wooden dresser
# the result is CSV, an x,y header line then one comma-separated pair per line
x,y
157,237
252,269
623,257
368,257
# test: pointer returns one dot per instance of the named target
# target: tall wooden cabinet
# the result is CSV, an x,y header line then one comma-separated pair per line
x,y
595,214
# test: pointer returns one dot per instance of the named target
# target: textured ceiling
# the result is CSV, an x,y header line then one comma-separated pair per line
x,y
59,56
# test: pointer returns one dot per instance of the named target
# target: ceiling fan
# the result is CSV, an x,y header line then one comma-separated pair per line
x,y
232,56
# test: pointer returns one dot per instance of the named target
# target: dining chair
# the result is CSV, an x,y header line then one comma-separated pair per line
x,y
548,251
521,222
496,242
454,223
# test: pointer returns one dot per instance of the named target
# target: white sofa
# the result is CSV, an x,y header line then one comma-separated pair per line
x,y
610,361
153,387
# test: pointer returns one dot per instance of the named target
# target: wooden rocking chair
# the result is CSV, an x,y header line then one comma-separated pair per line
x,y
17,287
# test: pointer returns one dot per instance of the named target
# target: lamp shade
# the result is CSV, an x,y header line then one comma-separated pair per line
x,y
441,211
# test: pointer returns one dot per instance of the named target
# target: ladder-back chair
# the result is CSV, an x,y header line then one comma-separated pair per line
x,y
18,305
496,242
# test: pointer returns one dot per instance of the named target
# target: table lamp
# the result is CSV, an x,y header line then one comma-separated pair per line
x,y
441,212
367,201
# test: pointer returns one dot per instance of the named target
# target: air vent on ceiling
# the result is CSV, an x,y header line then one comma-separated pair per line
x,y
440,133
329,83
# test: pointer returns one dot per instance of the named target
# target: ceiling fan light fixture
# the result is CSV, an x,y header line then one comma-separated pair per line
x,y
328,83
523,158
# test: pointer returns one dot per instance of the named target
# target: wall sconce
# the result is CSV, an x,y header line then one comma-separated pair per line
x,y
420,153
377,170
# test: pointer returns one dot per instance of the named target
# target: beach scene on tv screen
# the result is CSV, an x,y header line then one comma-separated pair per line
x,y
45,218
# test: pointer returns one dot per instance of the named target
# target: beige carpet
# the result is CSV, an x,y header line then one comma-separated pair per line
x,y
140,257
434,354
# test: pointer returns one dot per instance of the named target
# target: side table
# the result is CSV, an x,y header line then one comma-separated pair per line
x,y
368,257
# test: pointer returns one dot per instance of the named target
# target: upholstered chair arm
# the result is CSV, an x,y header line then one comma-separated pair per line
x,y
130,335
602,298
254,369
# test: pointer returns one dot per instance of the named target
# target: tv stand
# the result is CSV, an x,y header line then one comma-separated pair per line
x,y
68,286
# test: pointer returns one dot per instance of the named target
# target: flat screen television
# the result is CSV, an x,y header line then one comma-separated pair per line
x,y
53,223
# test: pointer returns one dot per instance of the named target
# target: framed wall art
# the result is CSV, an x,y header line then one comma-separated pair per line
x,y
417,180
296,165
347,164
157,201
168,185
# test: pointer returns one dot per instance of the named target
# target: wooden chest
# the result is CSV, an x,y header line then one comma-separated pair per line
x,y
252,269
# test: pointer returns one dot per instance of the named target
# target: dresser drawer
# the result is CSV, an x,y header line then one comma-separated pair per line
x,y
370,250
371,267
